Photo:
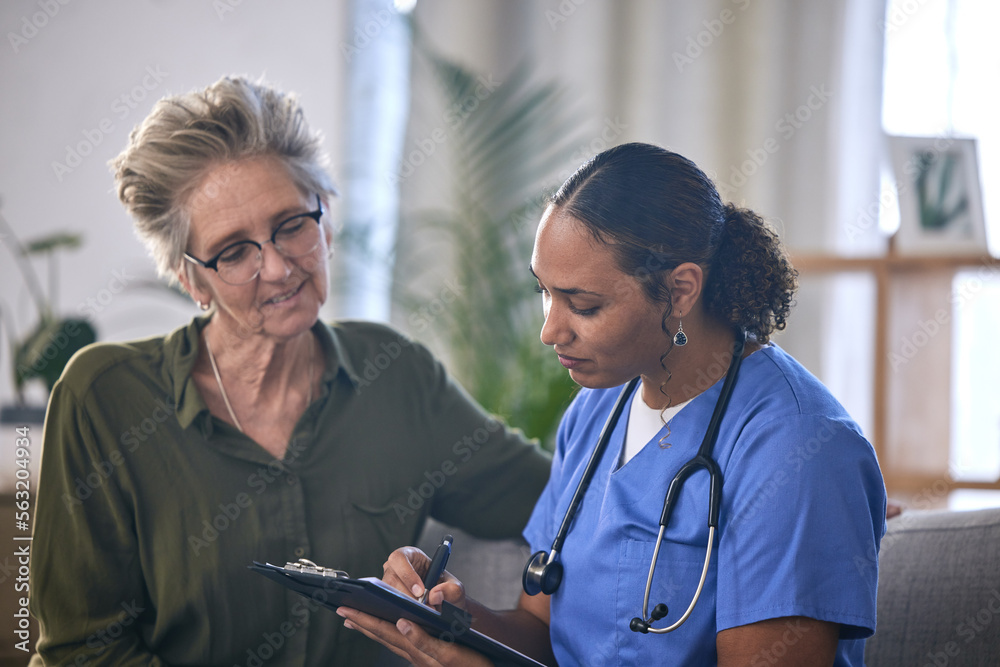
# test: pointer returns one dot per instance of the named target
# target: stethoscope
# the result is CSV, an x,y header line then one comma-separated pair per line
x,y
544,572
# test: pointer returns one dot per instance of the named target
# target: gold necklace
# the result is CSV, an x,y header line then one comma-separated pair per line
x,y
222,389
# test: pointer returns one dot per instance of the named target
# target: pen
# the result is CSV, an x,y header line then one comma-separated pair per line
x,y
438,564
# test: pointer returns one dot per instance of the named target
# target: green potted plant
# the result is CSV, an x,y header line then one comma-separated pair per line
x,y
506,143
44,350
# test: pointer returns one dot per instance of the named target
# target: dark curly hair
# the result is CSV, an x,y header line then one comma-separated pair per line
x,y
656,209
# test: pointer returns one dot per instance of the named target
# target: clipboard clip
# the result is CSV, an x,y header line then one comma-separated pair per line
x,y
307,566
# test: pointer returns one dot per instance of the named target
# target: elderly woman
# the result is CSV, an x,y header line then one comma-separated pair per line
x,y
256,432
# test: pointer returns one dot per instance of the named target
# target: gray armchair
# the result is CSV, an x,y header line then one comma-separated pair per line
x,y
938,591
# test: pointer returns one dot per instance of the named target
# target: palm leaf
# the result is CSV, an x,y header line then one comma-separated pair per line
x,y
53,242
505,150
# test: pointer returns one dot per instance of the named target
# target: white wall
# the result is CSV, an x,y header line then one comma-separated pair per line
x,y
86,77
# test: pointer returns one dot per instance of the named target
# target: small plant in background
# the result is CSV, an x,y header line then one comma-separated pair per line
x,y
939,190
506,141
43,352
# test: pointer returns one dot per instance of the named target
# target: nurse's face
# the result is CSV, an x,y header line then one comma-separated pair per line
x,y
597,318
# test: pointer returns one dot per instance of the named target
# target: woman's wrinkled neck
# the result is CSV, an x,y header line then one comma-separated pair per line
x,y
263,364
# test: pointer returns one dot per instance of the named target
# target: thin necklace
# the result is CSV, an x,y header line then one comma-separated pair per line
x,y
222,389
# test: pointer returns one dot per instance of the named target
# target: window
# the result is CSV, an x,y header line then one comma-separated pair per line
x,y
941,60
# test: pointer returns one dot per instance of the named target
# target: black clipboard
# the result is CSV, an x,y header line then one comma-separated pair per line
x,y
374,597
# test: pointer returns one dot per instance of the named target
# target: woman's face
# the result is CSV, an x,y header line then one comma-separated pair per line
x,y
247,200
597,318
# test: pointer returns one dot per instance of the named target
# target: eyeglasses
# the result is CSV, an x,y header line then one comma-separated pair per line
x,y
242,261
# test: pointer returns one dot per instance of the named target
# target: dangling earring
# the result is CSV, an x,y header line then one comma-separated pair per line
x,y
680,338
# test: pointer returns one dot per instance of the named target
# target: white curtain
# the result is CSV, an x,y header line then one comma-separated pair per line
x,y
779,101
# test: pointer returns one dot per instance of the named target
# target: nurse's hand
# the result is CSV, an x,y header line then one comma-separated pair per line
x,y
409,641
405,570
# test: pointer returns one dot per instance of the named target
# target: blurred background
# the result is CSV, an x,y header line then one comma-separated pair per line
x,y
447,122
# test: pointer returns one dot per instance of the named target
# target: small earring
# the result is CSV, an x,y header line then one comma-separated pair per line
x,y
203,306
680,338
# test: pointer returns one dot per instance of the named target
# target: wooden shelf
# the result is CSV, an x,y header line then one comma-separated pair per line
x,y
919,271
817,263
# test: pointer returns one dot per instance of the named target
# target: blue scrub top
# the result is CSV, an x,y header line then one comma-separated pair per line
x,y
803,511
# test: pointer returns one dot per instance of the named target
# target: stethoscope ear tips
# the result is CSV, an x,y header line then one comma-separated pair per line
x,y
639,625
541,575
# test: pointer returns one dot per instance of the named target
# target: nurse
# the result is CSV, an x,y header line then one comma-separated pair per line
x,y
644,272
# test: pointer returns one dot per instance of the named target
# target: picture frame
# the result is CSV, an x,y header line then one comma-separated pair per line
x,y
940,196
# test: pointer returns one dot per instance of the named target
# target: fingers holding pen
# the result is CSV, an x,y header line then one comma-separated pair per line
x,y
450,589
404,570
409,569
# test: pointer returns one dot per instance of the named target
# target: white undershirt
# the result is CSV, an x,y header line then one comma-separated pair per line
x,y
644,423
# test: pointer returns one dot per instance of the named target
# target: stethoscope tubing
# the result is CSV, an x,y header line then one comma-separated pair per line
x,y
697,594
588,472
703,459
543,573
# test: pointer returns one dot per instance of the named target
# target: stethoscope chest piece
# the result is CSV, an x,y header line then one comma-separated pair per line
x,y
542,574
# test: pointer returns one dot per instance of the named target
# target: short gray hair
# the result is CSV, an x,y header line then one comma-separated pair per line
x,y
186,135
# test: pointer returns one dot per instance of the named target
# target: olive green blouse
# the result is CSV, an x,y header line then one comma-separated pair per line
x,y
150,509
